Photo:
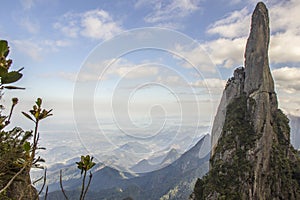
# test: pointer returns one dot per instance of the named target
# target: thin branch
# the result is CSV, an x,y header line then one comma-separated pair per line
x,y
44,183
46,195
11,111
88,185
34,182
12,179
61,186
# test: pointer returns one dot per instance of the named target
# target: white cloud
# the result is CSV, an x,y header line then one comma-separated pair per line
x,y
236,24
29,48
36,49
110,69
171,80
197,56
163,11
98,24
233,30
95,24
285,47
287,79
134,72
68,25
226,52
285,15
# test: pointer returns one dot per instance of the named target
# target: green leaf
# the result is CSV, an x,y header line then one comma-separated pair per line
x,y
3,71
4,49
39,102
2,119
27,146
11,77
28,116
14,88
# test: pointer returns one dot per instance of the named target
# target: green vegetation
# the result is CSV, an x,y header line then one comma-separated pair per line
x,y
232,164
284,158
230,168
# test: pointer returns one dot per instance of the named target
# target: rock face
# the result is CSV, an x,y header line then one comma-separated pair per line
x,y
295,131
21,187
252,157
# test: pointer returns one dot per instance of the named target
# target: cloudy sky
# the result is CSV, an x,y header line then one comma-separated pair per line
x,y
141,62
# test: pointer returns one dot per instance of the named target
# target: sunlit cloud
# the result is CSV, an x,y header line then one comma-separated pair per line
x,y
111,69
197,57
29,48
36,49
94,24
232,30
287,81
235,25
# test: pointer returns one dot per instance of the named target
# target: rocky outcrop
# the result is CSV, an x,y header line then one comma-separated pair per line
x,y
233,89
252,157
21,188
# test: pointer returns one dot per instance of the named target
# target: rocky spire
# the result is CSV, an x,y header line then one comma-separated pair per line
x,y
256,80
258,76
252,157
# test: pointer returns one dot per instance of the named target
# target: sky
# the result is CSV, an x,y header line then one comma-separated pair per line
x,y
140,66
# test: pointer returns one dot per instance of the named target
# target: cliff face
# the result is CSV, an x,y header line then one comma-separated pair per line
x,y
251,153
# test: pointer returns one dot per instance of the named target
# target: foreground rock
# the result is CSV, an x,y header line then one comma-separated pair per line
x,y
252,157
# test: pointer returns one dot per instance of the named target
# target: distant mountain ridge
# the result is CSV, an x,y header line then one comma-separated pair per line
x,y
174,181
146,165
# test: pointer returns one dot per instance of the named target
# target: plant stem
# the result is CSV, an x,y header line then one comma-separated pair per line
x,y
11,111
61,186
35,142
88,185
82,188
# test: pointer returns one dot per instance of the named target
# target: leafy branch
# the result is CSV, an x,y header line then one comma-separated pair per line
x,y
36,115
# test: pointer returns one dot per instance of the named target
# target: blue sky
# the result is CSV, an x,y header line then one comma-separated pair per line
x,y
57,42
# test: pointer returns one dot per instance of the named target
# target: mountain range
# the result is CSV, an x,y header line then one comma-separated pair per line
x,y
174,181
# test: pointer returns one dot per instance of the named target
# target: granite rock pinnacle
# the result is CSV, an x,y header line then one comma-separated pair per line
x,y
251,156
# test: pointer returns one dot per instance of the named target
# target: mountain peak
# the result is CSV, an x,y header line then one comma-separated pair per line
x,y
257,71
